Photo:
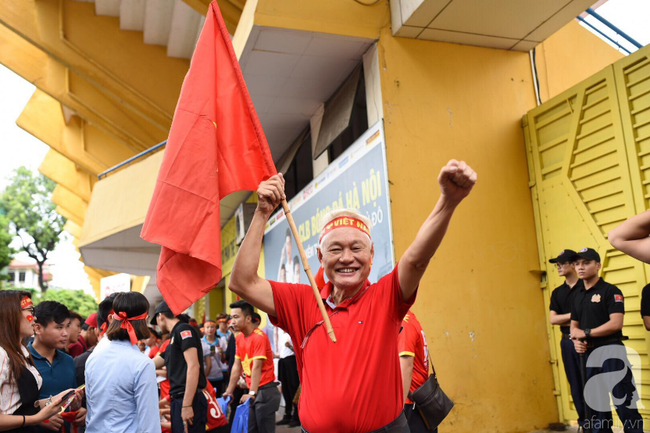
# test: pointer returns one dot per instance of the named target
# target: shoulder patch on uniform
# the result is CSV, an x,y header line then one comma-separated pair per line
x,y
618,298
186,334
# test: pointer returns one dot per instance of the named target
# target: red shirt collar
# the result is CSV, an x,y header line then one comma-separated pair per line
x,y
326,292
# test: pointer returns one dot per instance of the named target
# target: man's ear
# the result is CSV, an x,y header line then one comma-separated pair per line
x,y
38,328
319,254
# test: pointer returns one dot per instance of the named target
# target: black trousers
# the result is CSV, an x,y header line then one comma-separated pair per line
x,y
605,379
572,367
415,422
288,375
218,385
200,407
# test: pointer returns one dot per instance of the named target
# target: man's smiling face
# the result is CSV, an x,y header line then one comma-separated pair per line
x,y
346,255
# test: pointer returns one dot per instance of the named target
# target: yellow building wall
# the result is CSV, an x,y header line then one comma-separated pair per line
x,y
229,250
556,59
480,302
216,302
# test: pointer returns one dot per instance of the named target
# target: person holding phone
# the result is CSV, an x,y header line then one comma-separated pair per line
x,y
20,381
51,337
214,349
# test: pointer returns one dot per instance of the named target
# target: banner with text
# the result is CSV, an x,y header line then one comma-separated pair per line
x,y
357,179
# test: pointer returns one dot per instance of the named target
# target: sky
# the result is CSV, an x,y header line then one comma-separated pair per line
x,y
631,16
18,147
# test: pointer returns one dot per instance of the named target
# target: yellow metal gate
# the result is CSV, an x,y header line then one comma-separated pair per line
x,y
589,165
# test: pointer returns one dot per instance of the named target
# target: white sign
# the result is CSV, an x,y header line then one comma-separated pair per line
x,y
113,284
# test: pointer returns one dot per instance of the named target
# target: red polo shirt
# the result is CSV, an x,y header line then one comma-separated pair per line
x,y
255,346
412,342
353,385
77,348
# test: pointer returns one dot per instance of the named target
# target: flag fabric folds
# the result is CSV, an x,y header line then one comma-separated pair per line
x,y
216,146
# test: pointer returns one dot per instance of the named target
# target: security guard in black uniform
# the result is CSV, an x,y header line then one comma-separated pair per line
x,y
596,331
645,306
561,301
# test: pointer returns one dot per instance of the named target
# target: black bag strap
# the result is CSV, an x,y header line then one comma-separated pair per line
x,y
433,373
433,370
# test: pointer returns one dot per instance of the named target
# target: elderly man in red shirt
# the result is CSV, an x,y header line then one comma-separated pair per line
x,y
350,386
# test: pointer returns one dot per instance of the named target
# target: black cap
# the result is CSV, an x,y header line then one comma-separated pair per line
x,y
588,254
161,308
564,256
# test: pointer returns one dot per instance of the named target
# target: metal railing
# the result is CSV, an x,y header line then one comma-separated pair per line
x,y
132,159
612,27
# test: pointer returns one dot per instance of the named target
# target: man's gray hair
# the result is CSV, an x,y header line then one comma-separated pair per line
x,y
343,212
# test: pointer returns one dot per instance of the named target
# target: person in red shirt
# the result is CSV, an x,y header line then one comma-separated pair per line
x,y
414,361
77,343
339,393
255,358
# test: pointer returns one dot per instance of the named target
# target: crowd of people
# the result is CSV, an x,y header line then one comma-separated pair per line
x,y
131,385
120,370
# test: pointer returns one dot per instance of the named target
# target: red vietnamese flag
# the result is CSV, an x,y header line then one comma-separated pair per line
x,y
216,146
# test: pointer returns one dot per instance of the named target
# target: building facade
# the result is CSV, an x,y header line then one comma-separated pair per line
x,y
446,79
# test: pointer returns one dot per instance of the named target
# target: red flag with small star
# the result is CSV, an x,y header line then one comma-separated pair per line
x,y
216,146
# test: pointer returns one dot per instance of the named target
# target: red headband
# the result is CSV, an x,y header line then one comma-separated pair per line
x,y
26,302
126,324
343,222
104,326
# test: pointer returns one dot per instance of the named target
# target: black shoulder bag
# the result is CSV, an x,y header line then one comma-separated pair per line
x,y
431,401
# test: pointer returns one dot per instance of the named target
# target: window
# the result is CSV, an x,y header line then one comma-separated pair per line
x,y
301,170
12,277
21,277
358,124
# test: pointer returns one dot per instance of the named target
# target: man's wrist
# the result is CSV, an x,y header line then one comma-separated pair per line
x,y
264,214
449,204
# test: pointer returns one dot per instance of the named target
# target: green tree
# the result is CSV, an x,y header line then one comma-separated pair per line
x,y
75,300
6,252
32,215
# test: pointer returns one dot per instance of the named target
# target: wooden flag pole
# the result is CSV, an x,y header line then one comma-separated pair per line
x,y
305,263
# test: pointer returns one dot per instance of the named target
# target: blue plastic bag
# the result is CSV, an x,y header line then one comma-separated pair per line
x,y
240,422
223,403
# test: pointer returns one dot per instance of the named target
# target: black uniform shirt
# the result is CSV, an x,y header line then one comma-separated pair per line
x,y
592,307
562,299
183,337
645,301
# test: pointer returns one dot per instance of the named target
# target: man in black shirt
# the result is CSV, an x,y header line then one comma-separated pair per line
x,y
184,361
561,301
596,329
645,306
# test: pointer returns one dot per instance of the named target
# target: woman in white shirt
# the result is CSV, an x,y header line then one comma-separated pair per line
x,y
19,379
121,387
